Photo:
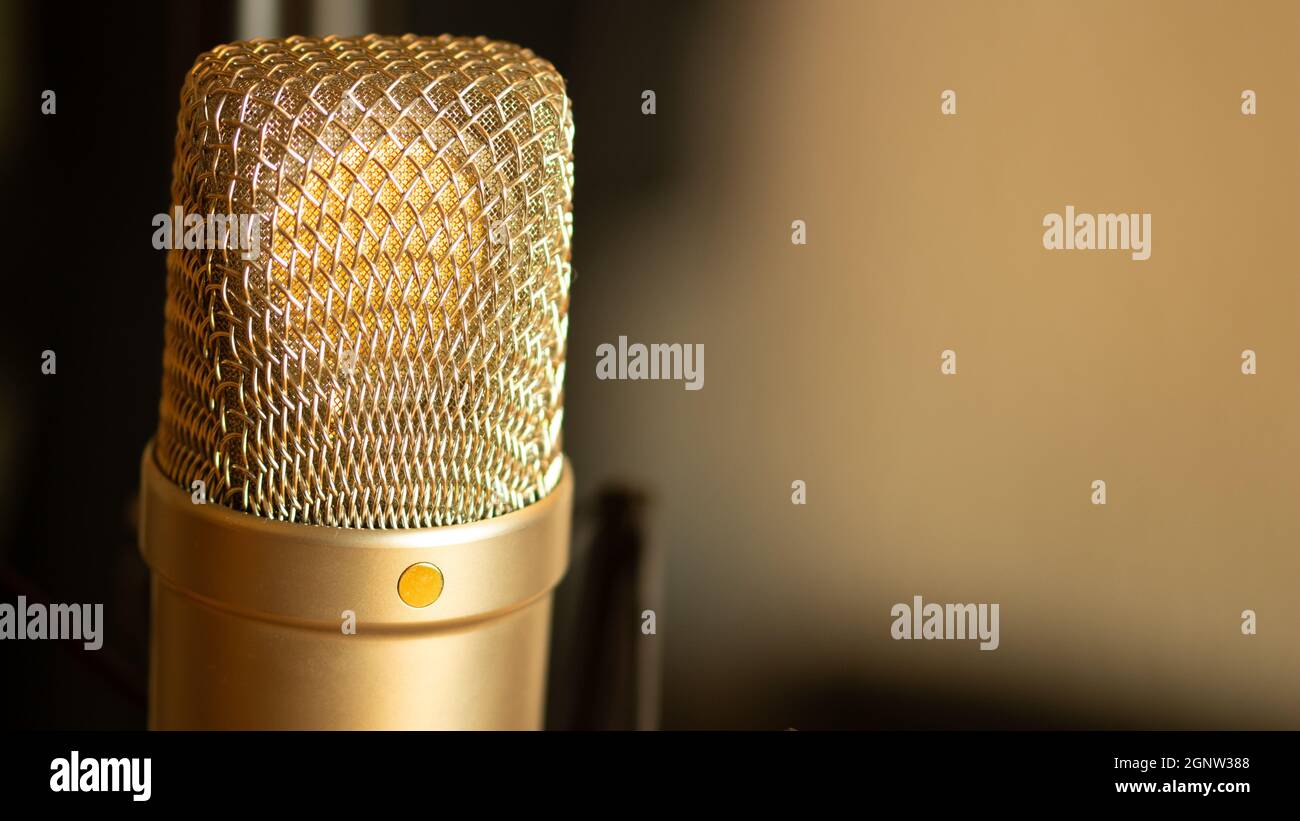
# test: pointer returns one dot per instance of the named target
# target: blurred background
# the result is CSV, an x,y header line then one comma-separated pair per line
x,y
822,360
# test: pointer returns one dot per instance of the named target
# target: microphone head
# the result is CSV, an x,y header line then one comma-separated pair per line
x,y
383,344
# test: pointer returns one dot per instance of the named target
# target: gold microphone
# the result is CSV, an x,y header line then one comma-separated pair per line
x,y
356,507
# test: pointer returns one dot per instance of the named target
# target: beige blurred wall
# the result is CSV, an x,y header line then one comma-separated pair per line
x,y
924,233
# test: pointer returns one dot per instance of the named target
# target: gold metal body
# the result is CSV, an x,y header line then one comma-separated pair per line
x,y
251,618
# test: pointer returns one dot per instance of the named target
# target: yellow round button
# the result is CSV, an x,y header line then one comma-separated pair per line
x,y
420,585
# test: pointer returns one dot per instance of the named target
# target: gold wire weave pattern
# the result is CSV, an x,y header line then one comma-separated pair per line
x,y
394,354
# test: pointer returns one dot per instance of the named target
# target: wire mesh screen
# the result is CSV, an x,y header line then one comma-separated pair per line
x,y
376,336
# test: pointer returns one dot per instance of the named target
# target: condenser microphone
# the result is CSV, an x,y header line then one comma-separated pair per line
x,y
356,507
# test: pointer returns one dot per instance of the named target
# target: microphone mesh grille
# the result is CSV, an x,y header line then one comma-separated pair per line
x,y
392,354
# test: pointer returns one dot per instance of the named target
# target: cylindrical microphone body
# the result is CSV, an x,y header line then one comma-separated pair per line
x,y
260,624
357,507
